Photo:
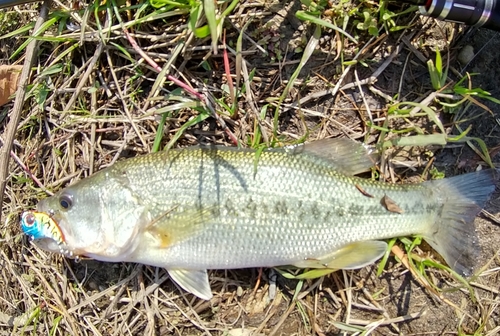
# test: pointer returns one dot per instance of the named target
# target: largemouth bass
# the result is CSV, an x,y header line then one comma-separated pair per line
x,y
200,208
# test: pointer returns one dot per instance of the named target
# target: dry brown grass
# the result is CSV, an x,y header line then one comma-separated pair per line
x,y
102,106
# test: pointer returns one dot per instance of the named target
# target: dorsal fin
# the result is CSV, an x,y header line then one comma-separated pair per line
x,y
345,155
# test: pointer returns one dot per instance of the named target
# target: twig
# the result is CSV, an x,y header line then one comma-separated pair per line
x,y
222,123
30,174
181,84
333,91
54,295
15,116
398,319
415,51
227,70
283,318
491,216
363,97
369,80
84,77
126,110
151,62
401,78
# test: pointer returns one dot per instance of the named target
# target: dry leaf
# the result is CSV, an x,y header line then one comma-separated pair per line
x,y
363,191
9,77
390,205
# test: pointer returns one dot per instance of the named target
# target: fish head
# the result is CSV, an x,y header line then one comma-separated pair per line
x,y
98,217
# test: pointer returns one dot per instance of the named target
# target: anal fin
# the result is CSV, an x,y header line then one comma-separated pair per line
x,y
352,256
193,281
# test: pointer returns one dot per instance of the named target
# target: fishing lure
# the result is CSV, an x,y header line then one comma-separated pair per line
x,y
40,225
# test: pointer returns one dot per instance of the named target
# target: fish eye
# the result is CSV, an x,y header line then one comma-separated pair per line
x,y
66,201
29,219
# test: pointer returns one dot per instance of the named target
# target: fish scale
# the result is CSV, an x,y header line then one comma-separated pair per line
x,y
200,208
311,230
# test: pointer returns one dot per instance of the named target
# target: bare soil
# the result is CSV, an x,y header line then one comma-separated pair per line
x,y
61,140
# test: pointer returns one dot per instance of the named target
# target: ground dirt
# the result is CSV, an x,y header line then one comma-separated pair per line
x,y
61,140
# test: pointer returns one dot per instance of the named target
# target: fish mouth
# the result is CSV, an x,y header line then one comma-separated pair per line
x,y
49,244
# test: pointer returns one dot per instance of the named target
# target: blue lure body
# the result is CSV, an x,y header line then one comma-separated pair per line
x,y
39,225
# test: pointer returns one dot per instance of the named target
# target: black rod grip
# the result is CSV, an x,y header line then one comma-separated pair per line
x,y
10,3
479,13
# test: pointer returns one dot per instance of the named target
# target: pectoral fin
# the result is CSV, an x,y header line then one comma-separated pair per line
x,y
195,282
178,225
352,256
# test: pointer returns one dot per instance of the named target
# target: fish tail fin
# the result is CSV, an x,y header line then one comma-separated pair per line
x,y
454,234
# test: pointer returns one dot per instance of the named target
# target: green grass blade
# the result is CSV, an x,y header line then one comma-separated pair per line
x,y
202,32
298,289
304,16
168,3
417,140
141,9
53,39
66,52
159,133
194,16
40,31
484,153
433,75
439,63
19,31
347,327
209,9
239,57
177,107
51,70
230,8
124,51
55,325
387,253
199,118
427,110
307,274
308,51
